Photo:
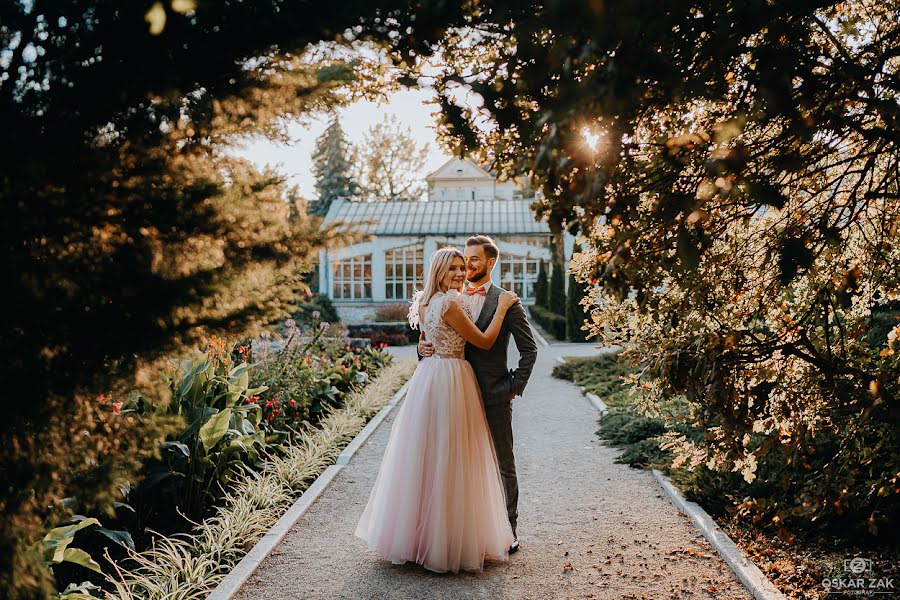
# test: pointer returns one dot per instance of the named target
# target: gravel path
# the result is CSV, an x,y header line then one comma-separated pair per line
x,y
589,527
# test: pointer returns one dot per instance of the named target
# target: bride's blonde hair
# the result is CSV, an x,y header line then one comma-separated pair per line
x,y
440,264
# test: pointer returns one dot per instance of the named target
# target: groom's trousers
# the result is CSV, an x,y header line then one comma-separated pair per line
x,y
499,418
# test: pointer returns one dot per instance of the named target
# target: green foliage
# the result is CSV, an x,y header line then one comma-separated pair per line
x,y
541,286
130,233
556,295
310,375
575,312
332,168
56,545
551,322
222,433
740,215
882,321
305,314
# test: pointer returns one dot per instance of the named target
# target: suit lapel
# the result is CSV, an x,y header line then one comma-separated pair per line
x,y
488,308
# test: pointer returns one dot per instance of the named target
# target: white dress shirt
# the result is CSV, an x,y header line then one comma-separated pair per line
x,y
477,300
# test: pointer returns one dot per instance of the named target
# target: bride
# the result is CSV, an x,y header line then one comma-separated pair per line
x,y
438,499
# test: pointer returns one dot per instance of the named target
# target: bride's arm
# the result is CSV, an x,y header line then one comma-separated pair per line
x,y
459,320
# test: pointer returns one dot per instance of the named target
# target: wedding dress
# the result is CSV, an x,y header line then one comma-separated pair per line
x,y
438,498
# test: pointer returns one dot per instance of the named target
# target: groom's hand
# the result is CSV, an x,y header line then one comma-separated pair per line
x,y
425,349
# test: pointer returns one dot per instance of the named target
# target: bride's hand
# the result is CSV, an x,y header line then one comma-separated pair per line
x,y
507,299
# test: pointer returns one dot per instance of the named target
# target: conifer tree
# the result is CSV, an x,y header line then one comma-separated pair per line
x,y
540,286
556,296
332,167
575,313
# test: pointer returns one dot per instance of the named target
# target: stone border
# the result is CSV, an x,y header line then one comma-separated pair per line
x,y
231,584
595,400
537,334
748,573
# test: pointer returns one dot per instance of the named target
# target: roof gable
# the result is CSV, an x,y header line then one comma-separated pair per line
x,y
459,168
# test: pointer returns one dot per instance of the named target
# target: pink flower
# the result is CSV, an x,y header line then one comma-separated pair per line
x,y
117,407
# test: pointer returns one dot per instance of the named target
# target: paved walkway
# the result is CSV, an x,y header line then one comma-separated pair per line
x,y
589,527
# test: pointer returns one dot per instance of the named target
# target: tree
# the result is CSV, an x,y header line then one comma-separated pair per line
x,y
332,167
541,286
390,163
576,314
129,233
556,295
740,205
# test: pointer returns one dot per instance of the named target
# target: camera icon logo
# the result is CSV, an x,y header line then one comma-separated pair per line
x,y
858,565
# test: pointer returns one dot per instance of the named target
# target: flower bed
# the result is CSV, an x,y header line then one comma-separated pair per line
x,y
193,565
253,425
390,334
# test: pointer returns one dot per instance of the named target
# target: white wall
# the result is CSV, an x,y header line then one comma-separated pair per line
x,y
359,310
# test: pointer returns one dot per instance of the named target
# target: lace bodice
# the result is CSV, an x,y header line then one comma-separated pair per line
x,y
447,343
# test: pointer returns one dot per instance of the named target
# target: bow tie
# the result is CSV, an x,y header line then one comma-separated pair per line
x,y
470,291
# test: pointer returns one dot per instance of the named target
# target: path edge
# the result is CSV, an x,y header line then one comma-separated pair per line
x,y
238,576
756,582
534,330
594,399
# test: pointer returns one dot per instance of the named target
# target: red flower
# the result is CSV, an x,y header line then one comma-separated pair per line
x,y
343,368
117,407
102,398
292,403
277,412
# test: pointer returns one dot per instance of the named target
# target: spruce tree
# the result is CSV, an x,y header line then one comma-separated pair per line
x,y
556,297
575,313
332,167
540,286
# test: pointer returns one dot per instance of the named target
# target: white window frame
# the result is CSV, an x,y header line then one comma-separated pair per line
x,y
404,268
523,285
354,272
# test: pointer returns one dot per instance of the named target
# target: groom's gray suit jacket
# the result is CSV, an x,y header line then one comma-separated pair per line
x,y
498,383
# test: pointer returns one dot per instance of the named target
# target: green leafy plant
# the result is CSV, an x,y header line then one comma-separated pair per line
x,y
552,323
56,545
222,433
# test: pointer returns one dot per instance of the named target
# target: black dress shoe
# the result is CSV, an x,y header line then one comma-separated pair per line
x,y
514,547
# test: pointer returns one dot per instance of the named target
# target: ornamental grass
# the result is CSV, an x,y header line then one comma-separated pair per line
x,y
189,566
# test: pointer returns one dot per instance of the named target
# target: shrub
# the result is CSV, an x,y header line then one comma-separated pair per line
x,y
391,334
194,564
556,295
575,312
222,432
311,373
392,312
541,286
551,322
318,308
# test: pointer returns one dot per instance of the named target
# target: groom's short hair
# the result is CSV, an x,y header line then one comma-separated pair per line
x,y
490,247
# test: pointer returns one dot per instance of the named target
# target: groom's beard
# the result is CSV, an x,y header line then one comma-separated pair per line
x,y
478,276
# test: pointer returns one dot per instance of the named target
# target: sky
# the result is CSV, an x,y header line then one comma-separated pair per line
x,y
411,107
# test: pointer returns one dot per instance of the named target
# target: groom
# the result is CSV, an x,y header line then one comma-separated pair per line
x,y
498,384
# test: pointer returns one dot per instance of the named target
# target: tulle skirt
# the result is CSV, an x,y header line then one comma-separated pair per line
x,y
438,499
